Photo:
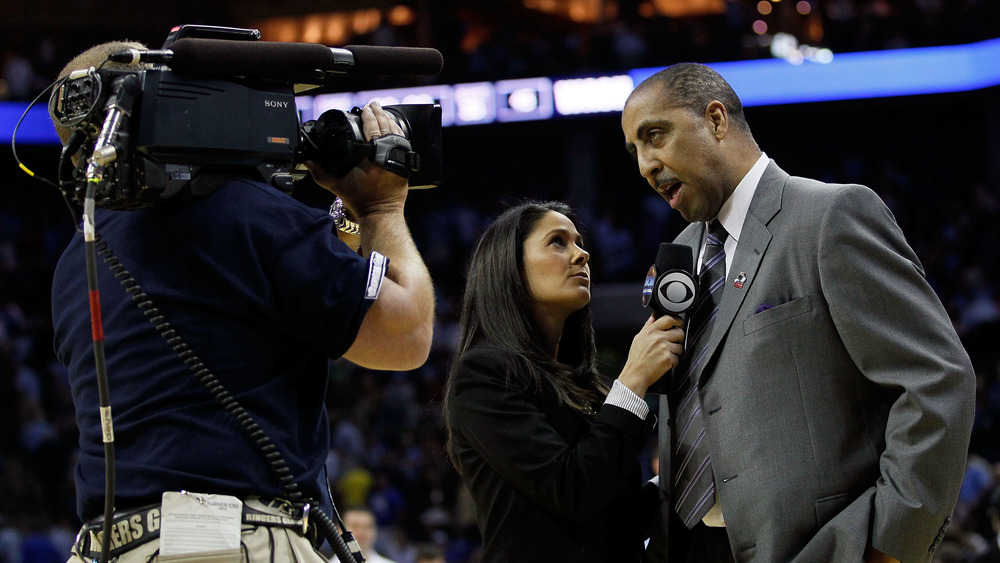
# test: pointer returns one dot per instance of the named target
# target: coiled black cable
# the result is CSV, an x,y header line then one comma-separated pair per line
x,y
276,463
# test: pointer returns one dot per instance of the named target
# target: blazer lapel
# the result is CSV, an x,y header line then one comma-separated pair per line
x,y
692,235
754,240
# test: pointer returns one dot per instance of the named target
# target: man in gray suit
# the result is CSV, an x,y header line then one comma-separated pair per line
x,y
830,400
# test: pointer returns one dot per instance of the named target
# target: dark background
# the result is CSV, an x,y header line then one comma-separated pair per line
x,y
933,159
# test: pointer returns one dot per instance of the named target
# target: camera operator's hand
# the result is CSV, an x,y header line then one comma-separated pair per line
x,y
397,330
367,188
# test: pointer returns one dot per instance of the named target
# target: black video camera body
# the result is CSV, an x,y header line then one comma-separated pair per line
x,y
155,134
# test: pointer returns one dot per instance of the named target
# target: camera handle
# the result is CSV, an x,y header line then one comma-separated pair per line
x,y
394,153
343,544
119,107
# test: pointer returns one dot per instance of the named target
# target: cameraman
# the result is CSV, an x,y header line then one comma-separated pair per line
x,y
261,290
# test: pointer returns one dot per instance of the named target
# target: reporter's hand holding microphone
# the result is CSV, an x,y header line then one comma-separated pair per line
x,y
655,350
670,290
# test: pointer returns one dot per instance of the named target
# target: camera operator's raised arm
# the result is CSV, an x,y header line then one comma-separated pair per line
x,y
396,332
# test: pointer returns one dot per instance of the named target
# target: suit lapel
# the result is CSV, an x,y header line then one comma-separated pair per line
x,y
754,240
692,235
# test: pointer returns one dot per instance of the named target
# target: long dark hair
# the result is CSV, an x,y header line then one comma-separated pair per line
x,y
496,312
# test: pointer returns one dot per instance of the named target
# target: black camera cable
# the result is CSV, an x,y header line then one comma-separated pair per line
x,y
343,544
340,542
72,145
77,138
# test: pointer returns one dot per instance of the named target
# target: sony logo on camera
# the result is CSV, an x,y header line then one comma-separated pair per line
x,y
275,104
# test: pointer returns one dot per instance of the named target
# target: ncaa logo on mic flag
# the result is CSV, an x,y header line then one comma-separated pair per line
x,y
647,286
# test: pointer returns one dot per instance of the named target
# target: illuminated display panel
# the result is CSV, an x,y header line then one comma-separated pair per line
x,y
524,99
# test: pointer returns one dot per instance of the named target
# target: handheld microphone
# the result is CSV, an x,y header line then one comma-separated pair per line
x,y
670,287
222,57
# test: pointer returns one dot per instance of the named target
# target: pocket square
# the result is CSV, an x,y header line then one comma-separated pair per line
x,y
763,307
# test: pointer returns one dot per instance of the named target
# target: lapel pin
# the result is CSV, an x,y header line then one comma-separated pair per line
x,y
738,282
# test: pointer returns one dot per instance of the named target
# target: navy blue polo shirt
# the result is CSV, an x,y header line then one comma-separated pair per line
x,y
262,291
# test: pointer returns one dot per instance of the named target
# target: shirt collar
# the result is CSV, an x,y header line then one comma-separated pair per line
x,y
735,209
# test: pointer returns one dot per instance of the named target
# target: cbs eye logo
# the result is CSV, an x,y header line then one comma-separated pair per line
x,y
671,292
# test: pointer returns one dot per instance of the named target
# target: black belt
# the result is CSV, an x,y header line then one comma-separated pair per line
x,y
135,527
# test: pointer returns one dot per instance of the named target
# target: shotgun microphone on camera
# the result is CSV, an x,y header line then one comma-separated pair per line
x,y
222,57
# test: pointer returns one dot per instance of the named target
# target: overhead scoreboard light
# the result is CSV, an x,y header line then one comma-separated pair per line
x,y
524,99
577,96
475,103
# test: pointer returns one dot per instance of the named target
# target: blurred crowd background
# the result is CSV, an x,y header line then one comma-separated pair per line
x,y
934,159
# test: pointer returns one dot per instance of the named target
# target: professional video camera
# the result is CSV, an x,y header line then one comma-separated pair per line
x,y
215,101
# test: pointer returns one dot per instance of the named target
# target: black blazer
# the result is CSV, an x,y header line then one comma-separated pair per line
x,y
549,484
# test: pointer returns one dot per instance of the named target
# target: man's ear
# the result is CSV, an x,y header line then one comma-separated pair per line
x,y
718,117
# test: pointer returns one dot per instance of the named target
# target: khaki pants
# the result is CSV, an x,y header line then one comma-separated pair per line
x,y
260,544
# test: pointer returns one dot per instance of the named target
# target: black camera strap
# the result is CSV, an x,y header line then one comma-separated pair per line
x,y
392,152
344,545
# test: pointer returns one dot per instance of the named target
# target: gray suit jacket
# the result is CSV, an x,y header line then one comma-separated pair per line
x,y
838,399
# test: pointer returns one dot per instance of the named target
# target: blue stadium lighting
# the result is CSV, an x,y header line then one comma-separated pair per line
x,y
872,74
36,129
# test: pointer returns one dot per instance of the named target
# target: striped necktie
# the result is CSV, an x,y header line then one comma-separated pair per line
x,y
694,483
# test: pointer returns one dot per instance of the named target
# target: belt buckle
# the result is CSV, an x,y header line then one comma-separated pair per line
x,y
305,519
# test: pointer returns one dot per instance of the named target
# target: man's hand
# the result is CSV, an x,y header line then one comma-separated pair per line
x,y
367,188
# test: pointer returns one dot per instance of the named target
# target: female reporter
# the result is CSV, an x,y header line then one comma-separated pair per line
x,y
547,449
